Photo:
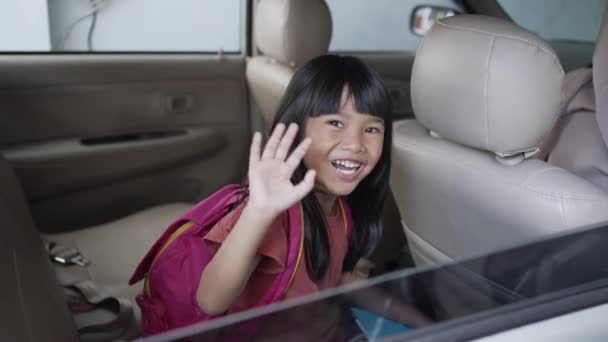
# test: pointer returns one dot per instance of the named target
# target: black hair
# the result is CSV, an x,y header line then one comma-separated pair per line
x,y
316,89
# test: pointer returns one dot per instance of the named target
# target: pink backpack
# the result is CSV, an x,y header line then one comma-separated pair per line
x,y
173,266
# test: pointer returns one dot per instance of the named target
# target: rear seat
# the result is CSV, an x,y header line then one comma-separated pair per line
x,y
34,308
115,248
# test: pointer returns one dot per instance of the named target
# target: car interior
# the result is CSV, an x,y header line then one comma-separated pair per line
x,y
101,152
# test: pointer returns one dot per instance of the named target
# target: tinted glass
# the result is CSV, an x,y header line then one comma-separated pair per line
x,y
563,264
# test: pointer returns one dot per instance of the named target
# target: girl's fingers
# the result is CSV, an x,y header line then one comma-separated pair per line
x,y
273,142
298,153
254,153
286,142
306,185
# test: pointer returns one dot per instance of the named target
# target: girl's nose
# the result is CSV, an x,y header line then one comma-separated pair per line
x,y
353,143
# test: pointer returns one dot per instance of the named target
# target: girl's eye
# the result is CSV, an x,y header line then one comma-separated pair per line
x,y
372,130
336,123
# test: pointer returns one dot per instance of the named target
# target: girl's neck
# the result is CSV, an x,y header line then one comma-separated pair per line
x,y
327,202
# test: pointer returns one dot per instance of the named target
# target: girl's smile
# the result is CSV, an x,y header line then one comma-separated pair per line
x,y
348,169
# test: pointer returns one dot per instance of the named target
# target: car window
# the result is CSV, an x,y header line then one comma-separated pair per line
x,y
120,26
558,19
530,276
377,26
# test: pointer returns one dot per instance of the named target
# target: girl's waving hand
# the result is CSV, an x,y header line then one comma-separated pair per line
x,y
270,188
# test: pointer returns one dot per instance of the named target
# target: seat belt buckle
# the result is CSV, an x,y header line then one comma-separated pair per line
x,y
66,255
76,259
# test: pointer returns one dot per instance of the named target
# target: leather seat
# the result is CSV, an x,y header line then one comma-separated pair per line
x,y
115,248
485,92
34,307
288,33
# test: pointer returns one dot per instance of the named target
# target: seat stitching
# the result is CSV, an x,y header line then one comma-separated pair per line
x,y
403,142
562,211
502,35
536,174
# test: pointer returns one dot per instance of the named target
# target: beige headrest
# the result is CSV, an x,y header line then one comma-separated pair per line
x,y
486,83
292,31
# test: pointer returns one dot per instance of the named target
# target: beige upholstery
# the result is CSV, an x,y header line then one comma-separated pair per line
x,y
267,82
489,91
292,31
116,248
479,99
33,306
288,33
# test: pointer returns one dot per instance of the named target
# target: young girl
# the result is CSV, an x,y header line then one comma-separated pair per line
x,y
338,115
330,152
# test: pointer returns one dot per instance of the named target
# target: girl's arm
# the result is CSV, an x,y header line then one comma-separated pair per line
x,y
378,301
230,268
270,193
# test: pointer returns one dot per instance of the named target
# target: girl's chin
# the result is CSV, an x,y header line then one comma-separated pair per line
x,y
334,190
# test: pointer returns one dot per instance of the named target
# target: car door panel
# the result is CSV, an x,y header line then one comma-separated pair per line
x,y
93,138
85,165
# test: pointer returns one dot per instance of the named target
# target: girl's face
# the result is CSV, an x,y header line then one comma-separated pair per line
x,y
346,146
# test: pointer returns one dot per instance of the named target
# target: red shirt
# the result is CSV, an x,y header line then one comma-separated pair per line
x,y
273,250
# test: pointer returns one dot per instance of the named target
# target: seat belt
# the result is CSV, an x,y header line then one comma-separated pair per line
x,y
98,316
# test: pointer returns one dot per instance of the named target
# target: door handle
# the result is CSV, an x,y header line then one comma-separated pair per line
x,y
180,104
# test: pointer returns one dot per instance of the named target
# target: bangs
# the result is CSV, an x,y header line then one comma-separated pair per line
x,y
322,94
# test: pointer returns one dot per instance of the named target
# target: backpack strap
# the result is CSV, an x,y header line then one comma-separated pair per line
x,y
174,235
295,251
347,217
300,251
218,204
299,215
